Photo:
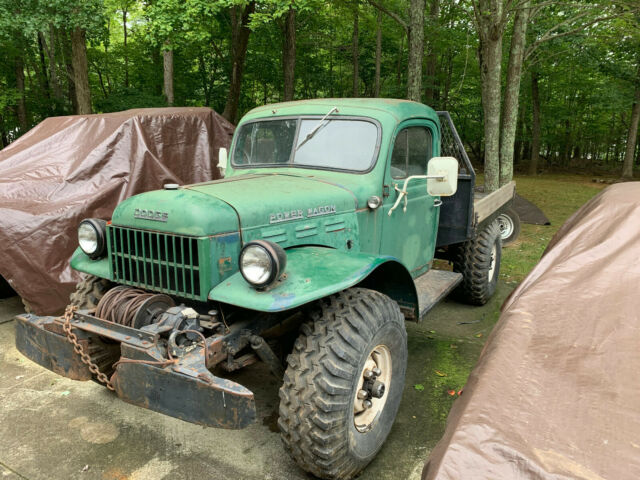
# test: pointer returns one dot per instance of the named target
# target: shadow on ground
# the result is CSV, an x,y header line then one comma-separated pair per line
x,y
55,428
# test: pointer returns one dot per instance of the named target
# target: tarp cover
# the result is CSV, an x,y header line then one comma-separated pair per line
x,y
555,393
70,168
528,211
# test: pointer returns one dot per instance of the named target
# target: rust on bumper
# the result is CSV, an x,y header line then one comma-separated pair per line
x,y
186,389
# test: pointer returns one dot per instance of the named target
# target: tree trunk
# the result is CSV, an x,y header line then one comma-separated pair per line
x,y
68,61
376,83
432,57
167,55
205,83
490,59
354,48
21,106
125,52
239,41
627,167
289,55
512,93
416,50
535,125
43,67
81,71
53,67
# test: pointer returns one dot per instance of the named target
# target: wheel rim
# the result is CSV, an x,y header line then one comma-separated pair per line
x,y
367,408
492,267
506,226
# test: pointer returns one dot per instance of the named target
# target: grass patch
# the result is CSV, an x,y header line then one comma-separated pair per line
x,y
559,196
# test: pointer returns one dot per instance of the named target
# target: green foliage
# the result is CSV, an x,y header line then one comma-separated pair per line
x,y
586,78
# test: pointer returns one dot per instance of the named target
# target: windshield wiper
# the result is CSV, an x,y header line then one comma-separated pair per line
x,y
315,130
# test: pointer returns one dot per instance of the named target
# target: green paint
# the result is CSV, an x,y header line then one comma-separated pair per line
x,y
312,272
292,206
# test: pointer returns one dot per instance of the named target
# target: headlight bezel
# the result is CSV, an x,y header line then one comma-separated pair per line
x,y
99,226
277,258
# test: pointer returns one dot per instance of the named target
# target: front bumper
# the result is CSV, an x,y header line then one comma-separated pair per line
x,y
186,389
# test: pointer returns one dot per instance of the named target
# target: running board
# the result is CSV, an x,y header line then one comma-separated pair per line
x,y
433,286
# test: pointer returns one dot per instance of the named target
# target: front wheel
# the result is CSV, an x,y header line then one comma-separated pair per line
x,y
343,384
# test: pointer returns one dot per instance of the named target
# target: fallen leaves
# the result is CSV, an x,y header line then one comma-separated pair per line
x,y
440,374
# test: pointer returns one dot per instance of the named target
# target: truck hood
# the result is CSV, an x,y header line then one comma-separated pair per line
x,y
262,200
245,201
181,211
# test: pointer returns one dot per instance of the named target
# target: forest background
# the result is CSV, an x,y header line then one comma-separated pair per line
x,y
548,85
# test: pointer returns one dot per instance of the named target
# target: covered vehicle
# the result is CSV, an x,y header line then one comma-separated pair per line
x,y
555,393
70,168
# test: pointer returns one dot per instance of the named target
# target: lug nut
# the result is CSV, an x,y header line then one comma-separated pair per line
x,y
377,391
367,404
363,394
377,372
368,374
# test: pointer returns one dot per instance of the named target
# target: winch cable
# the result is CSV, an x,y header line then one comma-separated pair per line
x,y
121,304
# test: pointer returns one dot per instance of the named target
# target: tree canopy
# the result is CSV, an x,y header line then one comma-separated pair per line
x,y
535,83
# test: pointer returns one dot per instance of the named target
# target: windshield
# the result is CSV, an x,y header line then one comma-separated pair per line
x,y
341,144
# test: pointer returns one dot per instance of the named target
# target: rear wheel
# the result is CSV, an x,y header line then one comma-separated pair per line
x,y
509,224
89,291
478,260
343,384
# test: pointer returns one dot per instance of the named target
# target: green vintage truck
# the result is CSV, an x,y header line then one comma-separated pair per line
x,y
309,255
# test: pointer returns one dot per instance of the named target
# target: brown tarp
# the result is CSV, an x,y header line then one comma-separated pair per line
x,y
70,168
555,393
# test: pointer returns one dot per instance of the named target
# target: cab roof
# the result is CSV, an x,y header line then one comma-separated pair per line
x,y
370,107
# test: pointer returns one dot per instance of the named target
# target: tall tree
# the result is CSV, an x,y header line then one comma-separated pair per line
x,y
416,50
490,18
512,92
240,16
167,63
355,53
632,134
289,54
80,70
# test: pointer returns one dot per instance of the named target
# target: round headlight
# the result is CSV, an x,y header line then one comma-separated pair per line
x,y
262,262
91,237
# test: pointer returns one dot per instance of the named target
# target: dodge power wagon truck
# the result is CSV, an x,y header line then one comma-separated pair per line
x,y
309,255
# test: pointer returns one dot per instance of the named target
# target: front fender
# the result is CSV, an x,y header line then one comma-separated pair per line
x,y
311,273
81,262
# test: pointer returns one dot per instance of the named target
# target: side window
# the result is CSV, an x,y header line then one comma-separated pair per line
x,y
411,152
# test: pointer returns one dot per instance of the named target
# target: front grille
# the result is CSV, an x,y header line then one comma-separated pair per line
x,y
155,261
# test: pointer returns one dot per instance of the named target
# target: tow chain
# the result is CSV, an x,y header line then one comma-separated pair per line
x,y
86,359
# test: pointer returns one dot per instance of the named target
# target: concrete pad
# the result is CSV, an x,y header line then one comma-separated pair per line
x,y
55,428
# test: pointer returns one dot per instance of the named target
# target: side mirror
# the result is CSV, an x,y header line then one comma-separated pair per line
x,y
442,176
222,160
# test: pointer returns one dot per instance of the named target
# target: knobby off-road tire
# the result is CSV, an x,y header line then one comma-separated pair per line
x,y
317,398
478,260
89,291
509,224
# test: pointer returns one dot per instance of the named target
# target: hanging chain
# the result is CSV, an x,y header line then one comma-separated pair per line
x,y
86,359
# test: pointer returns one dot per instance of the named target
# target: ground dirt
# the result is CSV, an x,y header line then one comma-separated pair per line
x,y
55,428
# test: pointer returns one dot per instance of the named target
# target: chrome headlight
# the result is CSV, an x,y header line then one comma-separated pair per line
x,y
262,262
91,237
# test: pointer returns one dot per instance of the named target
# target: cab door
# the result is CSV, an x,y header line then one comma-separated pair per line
x,y
410,235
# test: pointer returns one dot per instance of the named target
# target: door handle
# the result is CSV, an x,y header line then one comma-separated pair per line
x,y
437,202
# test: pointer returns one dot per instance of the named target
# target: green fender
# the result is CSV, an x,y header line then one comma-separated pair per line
x,y
81,262
313,273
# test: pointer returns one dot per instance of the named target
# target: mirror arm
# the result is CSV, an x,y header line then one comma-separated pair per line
x,y
403,191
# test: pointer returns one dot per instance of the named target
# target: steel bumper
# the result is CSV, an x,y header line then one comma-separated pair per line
x,y
185,389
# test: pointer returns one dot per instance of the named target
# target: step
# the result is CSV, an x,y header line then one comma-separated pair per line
x,y
433,286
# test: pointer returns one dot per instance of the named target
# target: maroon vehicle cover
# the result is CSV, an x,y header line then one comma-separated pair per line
x,y
70,168
556,391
